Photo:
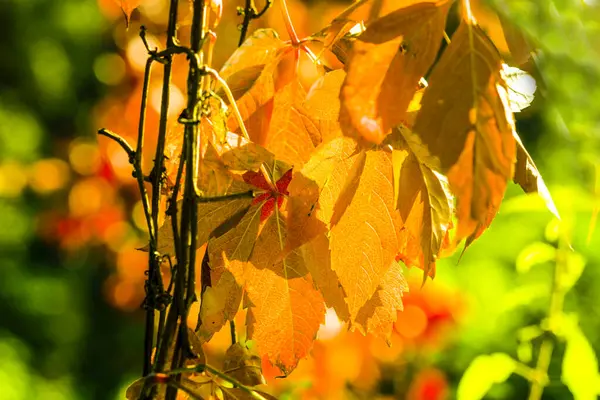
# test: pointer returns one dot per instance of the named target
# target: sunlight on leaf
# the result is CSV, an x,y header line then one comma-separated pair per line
x,y
465,122
386,63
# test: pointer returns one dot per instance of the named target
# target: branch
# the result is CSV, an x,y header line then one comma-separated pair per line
x,y
121,141
250,13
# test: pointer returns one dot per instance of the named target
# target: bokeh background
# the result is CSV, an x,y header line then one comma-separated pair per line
x,y
71,279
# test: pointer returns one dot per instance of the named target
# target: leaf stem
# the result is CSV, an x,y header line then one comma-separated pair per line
x,y
288,23
239,119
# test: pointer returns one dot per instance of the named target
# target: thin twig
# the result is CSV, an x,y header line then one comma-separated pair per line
x,y
121,141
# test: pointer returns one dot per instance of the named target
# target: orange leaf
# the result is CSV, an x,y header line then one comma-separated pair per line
x,y
423,199
385,66
284,307
466,122
378,315
351,192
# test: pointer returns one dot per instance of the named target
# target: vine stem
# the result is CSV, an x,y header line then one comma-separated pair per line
x,y
540,376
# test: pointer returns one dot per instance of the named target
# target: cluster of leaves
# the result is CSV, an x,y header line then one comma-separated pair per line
x,y
312,200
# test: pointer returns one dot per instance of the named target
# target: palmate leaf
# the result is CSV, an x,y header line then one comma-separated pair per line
x,y
465,122
386,63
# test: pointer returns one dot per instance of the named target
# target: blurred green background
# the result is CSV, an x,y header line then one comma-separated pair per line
x,y
70,325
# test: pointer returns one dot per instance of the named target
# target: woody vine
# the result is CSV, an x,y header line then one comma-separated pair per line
x,y
311,199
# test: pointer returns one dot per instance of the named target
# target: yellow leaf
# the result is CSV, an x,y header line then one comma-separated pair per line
x,y
423,199
385,66
291,135
315,189
364,241
211,216
227,255
378,315
322,104
465,122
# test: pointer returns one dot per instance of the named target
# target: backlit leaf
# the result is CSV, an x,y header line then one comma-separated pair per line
x,y
386,63
211,215
315,189
529,178
227,256
465,122
379,313
291,135
284,307
364,241
422,196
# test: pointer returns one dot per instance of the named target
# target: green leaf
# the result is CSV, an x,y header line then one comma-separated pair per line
x,y
580,364
575,265
482,373
535,253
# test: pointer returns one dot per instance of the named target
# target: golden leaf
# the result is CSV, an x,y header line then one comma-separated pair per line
x,y
378,315
466,123
385,66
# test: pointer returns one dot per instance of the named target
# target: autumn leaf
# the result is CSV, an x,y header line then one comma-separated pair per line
x,y
466,122
243,365
378,314
349,192
423,198
227,255
315,189
284,307
322,104
529,178
385,66
291,136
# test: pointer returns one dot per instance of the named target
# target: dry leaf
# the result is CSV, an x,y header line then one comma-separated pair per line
x,y
243,365
385,66
529,178
466,122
